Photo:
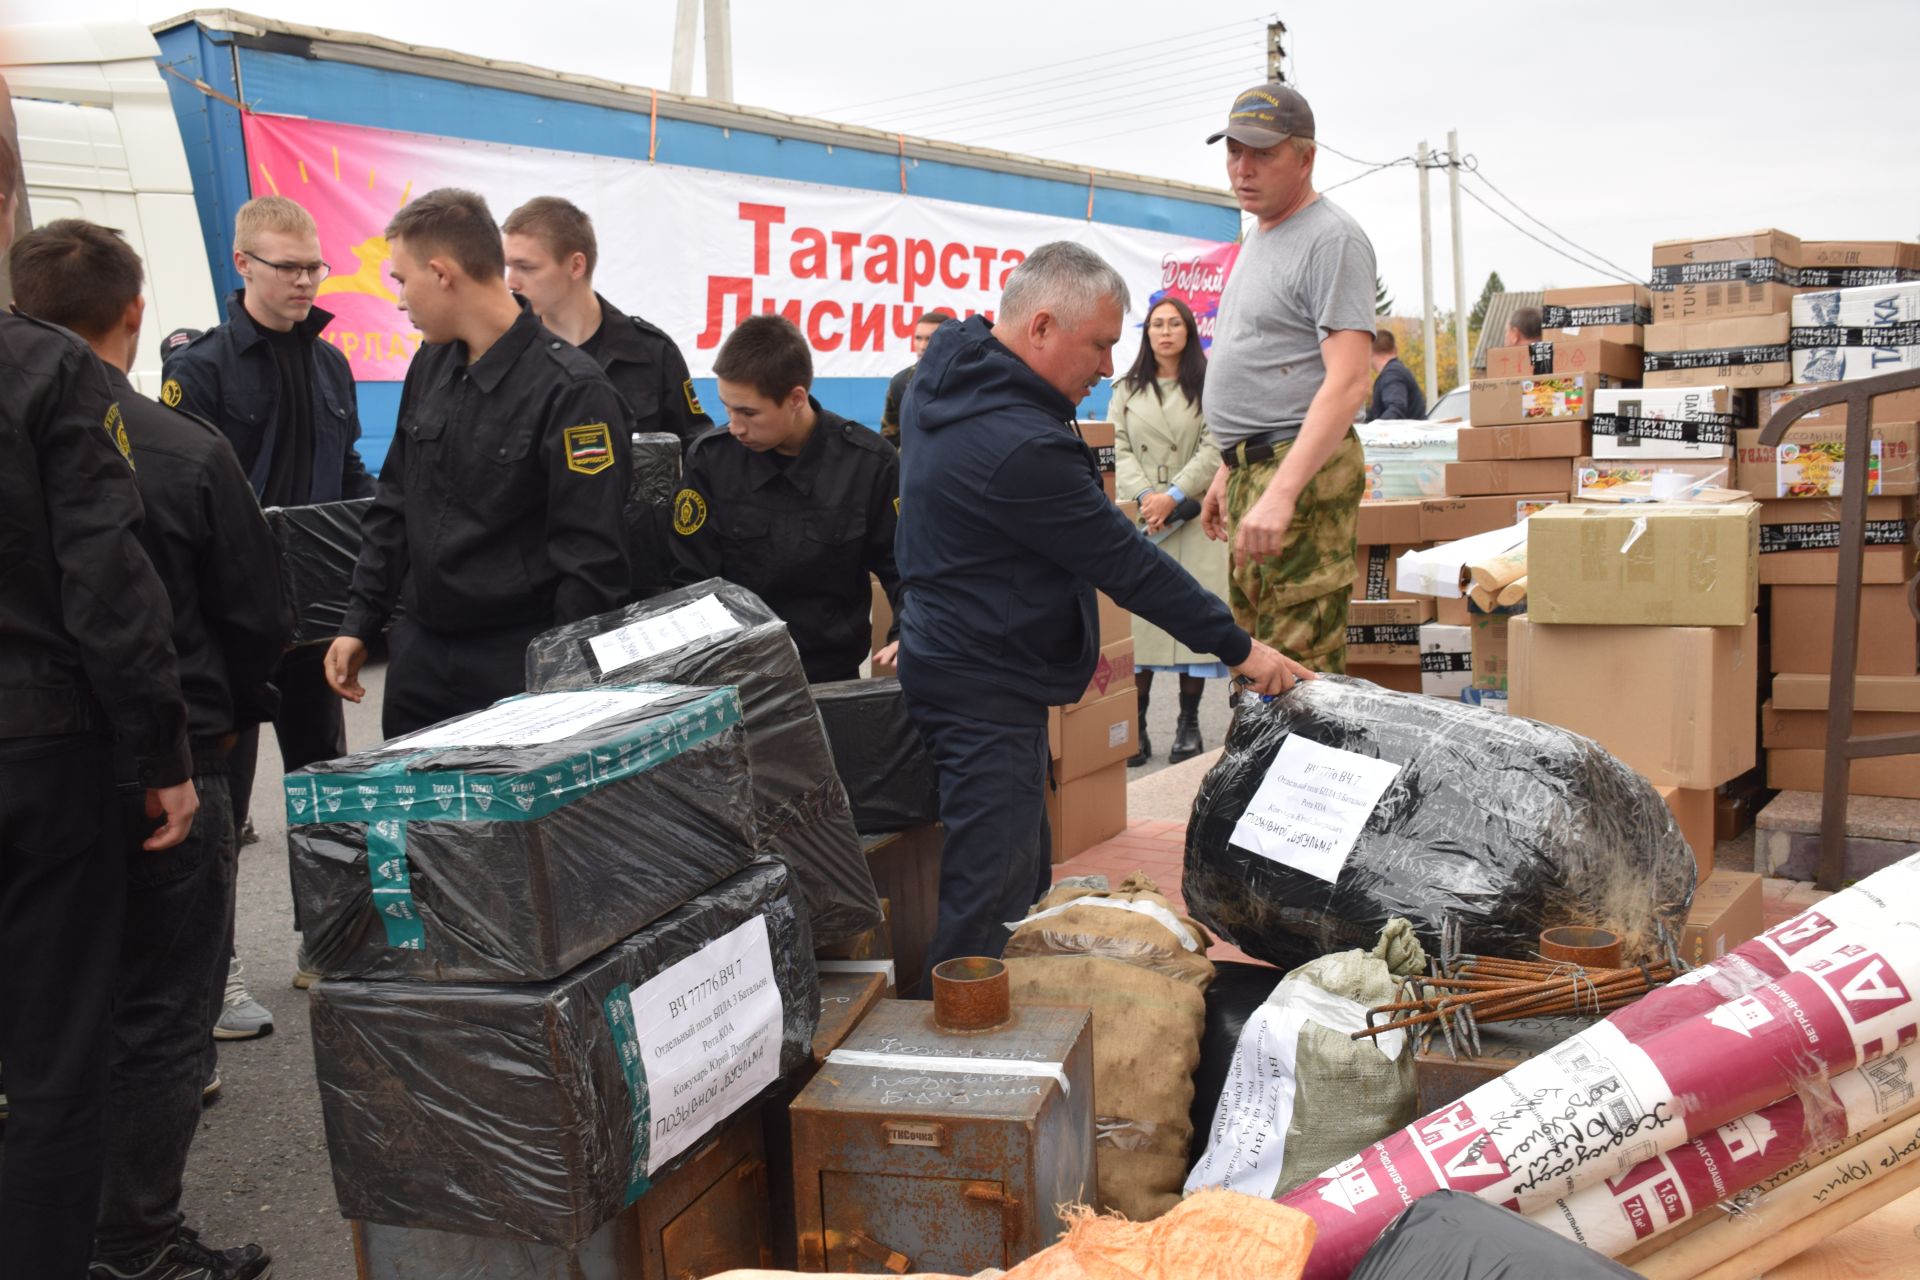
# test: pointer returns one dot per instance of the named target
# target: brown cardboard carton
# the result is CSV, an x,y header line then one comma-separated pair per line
x,y
1690,719
1609,312
1553,397
1810,462
1748,274
1799,541
1900,694
1893,776
1096,734
1450,519
1112,672
1802,631
1099,438
1666,564
1693,814
1517,362
1894,406
1392,521
1748,351
1505,444
1807,730
1387,631
1597,355
1728,909
1492,650
1474,479
1850,264
1596,479
1373,579
1451,611
1087,810
1401,677
1115,622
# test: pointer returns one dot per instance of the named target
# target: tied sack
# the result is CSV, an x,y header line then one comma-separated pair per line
x,y
1143,970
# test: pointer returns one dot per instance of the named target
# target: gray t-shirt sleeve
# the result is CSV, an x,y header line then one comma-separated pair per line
x,y
1343,279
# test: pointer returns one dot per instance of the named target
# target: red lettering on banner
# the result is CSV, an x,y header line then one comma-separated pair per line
x,y
919,265
947,275
762,216
869,327
809,262
905,330
788,311
985,256
718,289
846,242
1012,258
817,336
884,266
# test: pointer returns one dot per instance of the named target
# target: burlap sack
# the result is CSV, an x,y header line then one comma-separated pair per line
x,y
1143,970
1212,1235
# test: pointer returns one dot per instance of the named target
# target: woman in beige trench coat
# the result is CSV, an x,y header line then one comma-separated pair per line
x,y
1164,459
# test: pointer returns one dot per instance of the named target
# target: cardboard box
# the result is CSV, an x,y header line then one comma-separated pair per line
x,y
1899,694
1807,730
1373,579
1475,479
1684,423
1748,274
1520,362
1841,335
1555,397
1087,810
1893,776
1811,461
1802,632
1728,909
1387,631
1677,703
1848,264
1597,479
1893,406
1099,437
1113,672
1663,564
1402,678
1491,646
1446,660
1451,519
1506,444
1392,522
1405,459
1693,813
1799,541
1620,360
1609,312
1451,611
1750,351
1096,734
1115,622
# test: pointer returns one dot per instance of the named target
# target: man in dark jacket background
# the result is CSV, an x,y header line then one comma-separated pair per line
x,y
1004,534
1396,393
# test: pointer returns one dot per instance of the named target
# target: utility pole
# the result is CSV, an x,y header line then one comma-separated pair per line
x,y
685,19
686,22
1426,273
1459,254
1276,56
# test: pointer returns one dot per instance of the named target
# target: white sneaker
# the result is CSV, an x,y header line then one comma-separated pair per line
x,y
241,1017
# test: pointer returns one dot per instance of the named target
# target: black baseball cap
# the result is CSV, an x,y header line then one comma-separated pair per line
x,y
1267,114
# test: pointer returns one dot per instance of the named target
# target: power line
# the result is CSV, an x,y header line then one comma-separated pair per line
x,y
1065,92
1402,162
1545,244
1377,164
1471,164
1211,92
1044,69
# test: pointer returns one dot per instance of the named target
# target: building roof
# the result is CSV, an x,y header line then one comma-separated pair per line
x,y
1494,327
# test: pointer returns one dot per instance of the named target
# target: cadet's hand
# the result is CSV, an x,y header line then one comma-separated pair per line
x,y
1269,671
344,658
1158,509
1213,507
177,804
1263,530
887,654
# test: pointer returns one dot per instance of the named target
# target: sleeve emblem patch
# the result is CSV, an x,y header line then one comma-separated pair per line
x,y
589,448
170,393
689,512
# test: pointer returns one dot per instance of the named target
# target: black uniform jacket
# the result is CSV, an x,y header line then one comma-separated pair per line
x,y
802,536
84,621
503,495
213,552
228,376
647,369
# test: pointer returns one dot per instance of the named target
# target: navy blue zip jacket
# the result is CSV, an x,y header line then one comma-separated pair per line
x,y
1005,532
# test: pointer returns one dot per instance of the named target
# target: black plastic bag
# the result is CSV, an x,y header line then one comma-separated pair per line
x,y
890,779
1238,989
656,477
319,546
716,633
514,864
1450,1235
511,1110
1503,824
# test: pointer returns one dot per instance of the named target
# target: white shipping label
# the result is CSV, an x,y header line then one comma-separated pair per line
x,y
1311,806
640,640
709,1033
1118,733
529,721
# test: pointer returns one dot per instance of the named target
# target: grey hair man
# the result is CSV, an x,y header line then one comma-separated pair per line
x,y
1004,535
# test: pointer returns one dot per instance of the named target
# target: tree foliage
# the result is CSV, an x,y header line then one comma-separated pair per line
x,y
1382,300
1477,319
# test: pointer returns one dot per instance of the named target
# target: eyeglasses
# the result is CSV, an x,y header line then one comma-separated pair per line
x,y
290,272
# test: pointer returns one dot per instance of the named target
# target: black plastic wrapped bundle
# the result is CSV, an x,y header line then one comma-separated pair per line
x,y
717,633
319,546
538,1111
427,860
890,780
656,476
1503,824
1451,1235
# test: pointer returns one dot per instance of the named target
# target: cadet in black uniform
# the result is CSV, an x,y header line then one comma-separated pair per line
x,y
85,659
213,552
500,511
792,501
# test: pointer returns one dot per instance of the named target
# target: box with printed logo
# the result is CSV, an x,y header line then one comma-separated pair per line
x,y
1669,423
1387,631
1840,335
1553,397
1848,264
1743,351
1747,274
1811,461
1113,671
1800,541
1891,406
1446,660
1609,312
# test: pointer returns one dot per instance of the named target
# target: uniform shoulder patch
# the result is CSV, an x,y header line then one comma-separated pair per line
x,y
693,401
896,506
171,393
116,427
589,448
689,512
862,436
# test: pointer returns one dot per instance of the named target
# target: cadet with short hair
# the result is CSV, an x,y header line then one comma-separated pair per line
x,y
214,554
791,501
500,511
923,331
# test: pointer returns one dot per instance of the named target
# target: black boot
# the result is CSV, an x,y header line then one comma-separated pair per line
x,y
1186,732
1144,681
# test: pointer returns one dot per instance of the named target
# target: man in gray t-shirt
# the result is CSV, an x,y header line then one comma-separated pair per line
x,y
1285,379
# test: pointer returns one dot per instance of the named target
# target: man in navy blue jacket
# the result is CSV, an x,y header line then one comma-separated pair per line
x,y
1004,534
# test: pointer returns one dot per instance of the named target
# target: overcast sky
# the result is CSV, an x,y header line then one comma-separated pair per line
x,y
1613,124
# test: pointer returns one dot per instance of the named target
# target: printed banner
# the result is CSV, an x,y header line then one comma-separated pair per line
x,y
696,250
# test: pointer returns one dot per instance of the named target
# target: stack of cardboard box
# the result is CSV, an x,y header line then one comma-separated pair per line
x,y
1528,428
1090,742
1721,311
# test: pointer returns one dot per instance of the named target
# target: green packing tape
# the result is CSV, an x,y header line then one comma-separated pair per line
x,y
618,1007
392,890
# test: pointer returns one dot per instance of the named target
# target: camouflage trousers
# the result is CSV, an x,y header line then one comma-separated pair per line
x,y
1296,601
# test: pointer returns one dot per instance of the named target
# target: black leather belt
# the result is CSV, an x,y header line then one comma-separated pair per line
x,y
1258,449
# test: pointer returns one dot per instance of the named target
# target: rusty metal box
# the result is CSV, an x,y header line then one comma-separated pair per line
x,y
920,1149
